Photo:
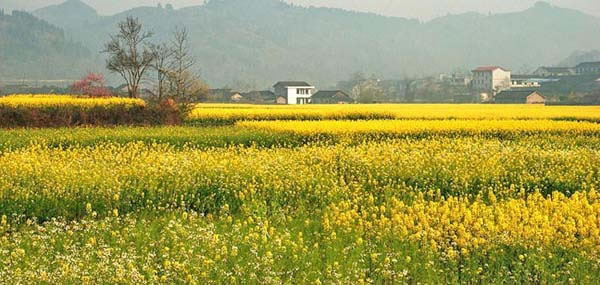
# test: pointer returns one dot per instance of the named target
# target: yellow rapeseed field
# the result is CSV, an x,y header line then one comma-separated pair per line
x,y
473,127
51,100
348,194
238,112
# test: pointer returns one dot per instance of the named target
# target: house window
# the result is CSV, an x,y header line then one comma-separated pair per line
x,y
302,91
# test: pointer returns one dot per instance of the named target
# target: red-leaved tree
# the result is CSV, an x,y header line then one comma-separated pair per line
x,y
92,85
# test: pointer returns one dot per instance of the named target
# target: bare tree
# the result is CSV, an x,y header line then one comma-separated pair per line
x,y
181,65
162,57
128,54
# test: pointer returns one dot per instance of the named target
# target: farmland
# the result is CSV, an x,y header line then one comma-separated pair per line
x,y
354,194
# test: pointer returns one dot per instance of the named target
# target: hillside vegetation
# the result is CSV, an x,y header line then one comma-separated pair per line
x,y
31,48
262,41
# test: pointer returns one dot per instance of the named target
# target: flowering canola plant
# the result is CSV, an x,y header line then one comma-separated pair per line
x,y
471,127
51,100
495,195
230,113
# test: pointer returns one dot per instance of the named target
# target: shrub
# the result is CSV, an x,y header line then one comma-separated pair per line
x,y
67,111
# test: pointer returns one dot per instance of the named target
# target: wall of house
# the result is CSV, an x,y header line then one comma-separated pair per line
x,y
588,69
496,80
500,80
281,91
482,80
280,100
294,98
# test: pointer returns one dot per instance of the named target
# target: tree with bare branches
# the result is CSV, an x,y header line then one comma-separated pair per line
x,y
181,65
129,54
162,61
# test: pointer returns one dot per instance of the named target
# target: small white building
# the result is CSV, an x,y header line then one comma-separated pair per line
x,y
524,81
294,92
491,78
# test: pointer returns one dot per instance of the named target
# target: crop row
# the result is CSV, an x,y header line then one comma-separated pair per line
x,y
290,133
212,114
42,183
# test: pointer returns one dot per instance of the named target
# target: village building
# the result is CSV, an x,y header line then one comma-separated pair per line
x,y
519,97
237,97
546,71
523,81
293,92
491,78
455,80
331,97
588,67
281,100
262,97
221,95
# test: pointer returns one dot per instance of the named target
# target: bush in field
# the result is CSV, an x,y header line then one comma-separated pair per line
x,y
92,85
66,111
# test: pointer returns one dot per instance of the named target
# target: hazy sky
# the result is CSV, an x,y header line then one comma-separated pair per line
x,y
423,9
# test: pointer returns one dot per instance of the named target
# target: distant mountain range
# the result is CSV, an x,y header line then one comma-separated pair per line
x,y
33,49
259,42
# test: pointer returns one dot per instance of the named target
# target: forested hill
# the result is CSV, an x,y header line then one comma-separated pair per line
x,y
262,41
31,48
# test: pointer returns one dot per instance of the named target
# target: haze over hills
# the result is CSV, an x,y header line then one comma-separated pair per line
x,y
580,56
33,49
262,41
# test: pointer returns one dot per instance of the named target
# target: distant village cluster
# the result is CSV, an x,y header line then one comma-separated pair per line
x,y
285,92
499,85
485,84
578,85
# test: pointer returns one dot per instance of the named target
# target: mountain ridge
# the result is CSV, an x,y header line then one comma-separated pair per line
x,y
259,41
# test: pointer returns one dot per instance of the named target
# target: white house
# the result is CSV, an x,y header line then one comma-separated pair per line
x,y
491,78
294,92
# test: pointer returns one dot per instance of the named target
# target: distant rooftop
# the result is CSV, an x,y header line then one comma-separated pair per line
x,y
488,68
292,84
516,94
556,69
589,64
324,94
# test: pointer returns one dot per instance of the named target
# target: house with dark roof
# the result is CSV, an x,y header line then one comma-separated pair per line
x,y
331,97
547,71
519,97
293,92
588,67
221,95
263,97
